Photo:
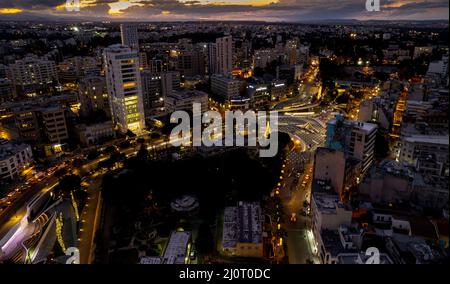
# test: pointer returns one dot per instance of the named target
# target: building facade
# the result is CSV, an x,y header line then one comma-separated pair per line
x,y
124,87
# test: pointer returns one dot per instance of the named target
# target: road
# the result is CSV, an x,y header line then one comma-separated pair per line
x,y
90,218
306,91
299,241
17,209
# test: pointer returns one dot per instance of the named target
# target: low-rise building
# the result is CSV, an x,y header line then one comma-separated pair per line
x,y
176,252
416,148
278,89
243,230
14,156
225,87
238,103
95,133
259,95
183,100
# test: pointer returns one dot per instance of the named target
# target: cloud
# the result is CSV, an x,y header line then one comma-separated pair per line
x,y
269,10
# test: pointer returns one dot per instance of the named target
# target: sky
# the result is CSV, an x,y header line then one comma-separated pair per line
x,y
257,10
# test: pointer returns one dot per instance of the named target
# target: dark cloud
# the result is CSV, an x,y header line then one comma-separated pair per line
x,y
31,4
282,10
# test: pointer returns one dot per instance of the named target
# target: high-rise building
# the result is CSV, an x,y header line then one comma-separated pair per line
x,y
220,56
224,47
356,139
152,94
212,58
129,35
32,76
124,87
191,63
93,95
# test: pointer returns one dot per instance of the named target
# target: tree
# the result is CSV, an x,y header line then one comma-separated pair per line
x,y
77,163
110,149
68,184
93,154
61,172
205,240
125,144
142,154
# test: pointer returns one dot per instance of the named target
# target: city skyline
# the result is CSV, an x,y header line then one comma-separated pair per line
x,y
222,142
227,10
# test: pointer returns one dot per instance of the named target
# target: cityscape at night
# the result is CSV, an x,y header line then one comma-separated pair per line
x,y
237,132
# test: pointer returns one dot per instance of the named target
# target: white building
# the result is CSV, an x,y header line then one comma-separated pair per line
x,y
183,100
224,86
129,35
31,74
13,158
415,149
124,88
221,55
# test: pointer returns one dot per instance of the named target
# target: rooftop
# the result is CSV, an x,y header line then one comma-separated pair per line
x,y
9,148
327,203
176,248
242,223
188,94
369,127
332,242
441,140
